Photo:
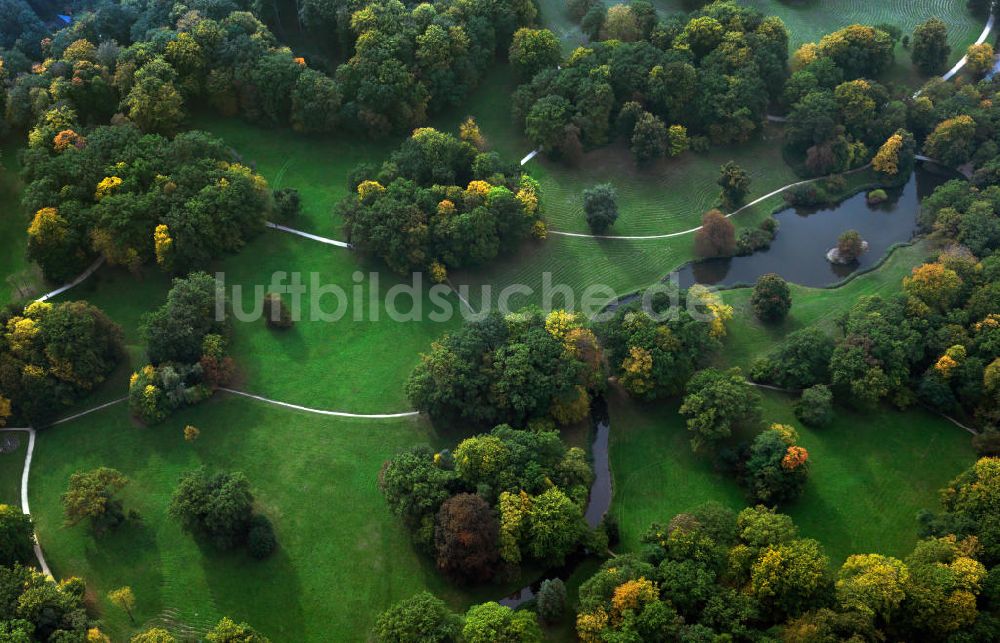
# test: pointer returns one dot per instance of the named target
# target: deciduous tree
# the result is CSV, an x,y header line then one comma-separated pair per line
x,y
466,539
91,494
718,403
716,237
930,47
771,298
600,205
17,536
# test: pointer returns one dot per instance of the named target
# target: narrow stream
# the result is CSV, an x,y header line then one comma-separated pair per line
x,y
597,505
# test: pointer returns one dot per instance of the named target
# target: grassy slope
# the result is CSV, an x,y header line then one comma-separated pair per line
x,y
18,278
314,476
316,363
862,495
11,465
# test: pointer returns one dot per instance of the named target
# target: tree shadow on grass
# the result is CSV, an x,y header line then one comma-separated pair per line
x,y
128,555
267,594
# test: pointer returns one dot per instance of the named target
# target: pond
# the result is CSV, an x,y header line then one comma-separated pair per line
x,y
798,252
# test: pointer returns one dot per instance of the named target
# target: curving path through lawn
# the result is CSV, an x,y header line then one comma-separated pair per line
x,y
25,508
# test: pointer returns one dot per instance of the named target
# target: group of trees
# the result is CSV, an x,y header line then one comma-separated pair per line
x,y
510,369
936,342
710,573
34,607
839,117
502,498
218,506
722,408
16,537
186,344
422,617
134,198
150,62
51,355
663,85
225,631
653,356
441,202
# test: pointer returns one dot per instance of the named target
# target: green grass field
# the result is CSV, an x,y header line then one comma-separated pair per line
x,y
317,166
20,279
342,556
11,465
862,495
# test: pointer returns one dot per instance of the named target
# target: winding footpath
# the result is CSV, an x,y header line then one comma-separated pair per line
x,y
25,508
307,409
961,63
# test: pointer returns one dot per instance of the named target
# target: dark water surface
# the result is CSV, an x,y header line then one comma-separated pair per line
x,y
798,252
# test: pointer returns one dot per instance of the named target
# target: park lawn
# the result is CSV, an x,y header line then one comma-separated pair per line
x,y
11,466
20,279
343,365
316,165
591,270
871,473
749,338
655,474
315,477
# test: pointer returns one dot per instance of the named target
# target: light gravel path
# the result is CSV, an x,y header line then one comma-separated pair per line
x,y
309,235
307,409
25,507
961,63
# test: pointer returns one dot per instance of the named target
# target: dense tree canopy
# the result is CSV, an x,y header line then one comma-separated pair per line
x,y
34,607
156,61
52,354
16,536
654,356
186,345
499,499
682,73
136,199
440,203
510,369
